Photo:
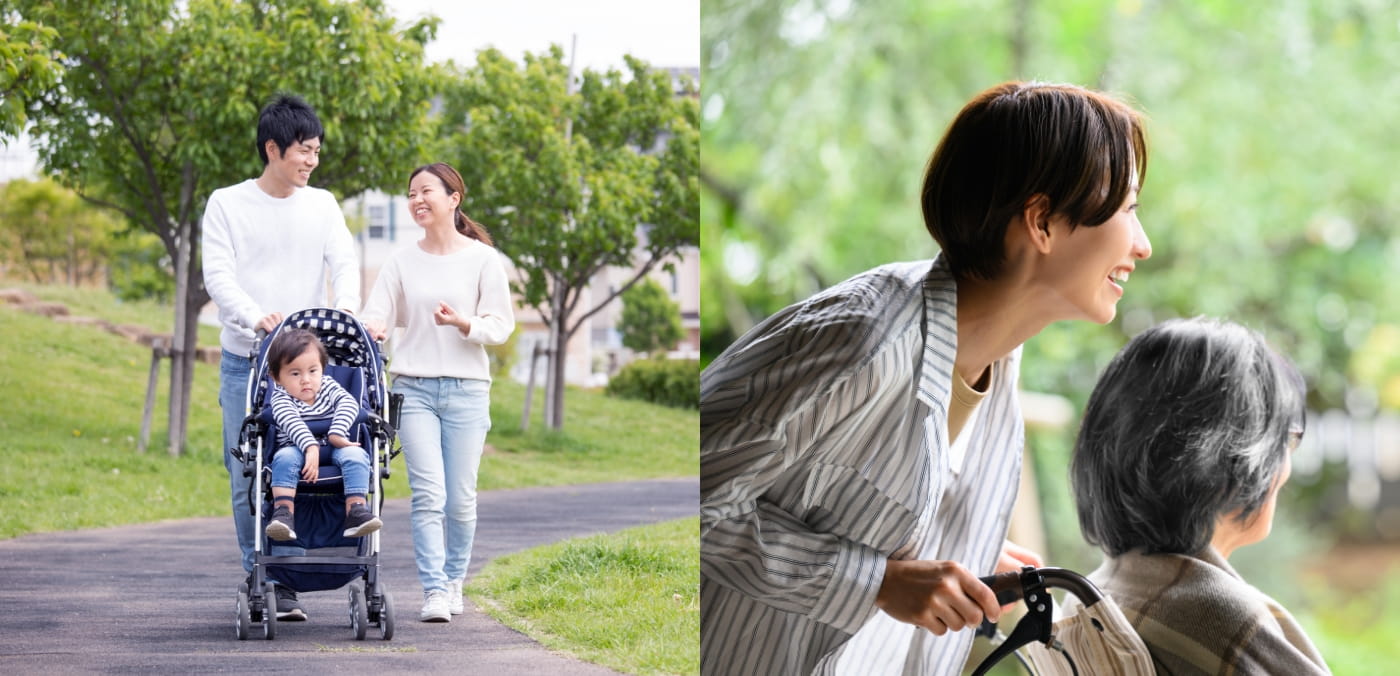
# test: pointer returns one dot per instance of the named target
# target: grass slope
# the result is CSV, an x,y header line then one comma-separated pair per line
x,y
69,431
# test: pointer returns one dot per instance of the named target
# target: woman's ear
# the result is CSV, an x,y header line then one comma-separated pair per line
x,y
1035,219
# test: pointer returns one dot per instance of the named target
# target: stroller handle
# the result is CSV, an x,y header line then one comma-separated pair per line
x,y
1012,586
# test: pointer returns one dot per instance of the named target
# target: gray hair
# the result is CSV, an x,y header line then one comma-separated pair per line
x,y
1192,420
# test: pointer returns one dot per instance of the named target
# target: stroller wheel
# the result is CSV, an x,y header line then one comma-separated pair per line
x,y
386,615
244,619
359,612
269,611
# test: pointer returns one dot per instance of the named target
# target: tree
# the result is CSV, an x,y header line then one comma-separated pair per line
x,y
572,182
48,230
651,321
158,107
28,66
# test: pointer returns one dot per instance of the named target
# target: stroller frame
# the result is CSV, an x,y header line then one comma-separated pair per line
x,y
370,602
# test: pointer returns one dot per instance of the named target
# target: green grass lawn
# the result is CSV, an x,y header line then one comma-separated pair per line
x,y
69,435
70,430
629,601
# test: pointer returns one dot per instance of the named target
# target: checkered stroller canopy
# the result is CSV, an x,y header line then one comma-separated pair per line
x,y
347,344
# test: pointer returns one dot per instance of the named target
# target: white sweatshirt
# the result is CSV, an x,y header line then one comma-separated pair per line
x,y
472,280
265,254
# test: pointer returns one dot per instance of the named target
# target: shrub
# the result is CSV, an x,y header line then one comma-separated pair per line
x,y
651,321
667,382
502,357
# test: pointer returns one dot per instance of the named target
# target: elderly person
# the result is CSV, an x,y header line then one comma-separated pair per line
x,y
1184,445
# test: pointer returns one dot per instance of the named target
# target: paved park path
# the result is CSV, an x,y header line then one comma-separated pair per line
x,y
159,598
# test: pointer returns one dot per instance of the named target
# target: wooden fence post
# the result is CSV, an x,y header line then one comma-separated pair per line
x,y
530,386
159,351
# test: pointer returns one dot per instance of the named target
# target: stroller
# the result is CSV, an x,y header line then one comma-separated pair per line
x,y
330,560
1095,639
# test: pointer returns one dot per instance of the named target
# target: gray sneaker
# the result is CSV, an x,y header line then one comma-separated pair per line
x,y
435,607
280,526
288,608
360,522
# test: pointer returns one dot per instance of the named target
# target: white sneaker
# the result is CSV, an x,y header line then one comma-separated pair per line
x,y
435,607
454,597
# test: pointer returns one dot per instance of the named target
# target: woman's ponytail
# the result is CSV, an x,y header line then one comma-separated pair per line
x,y
472,229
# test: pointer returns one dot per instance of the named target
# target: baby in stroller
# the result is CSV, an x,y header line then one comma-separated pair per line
x,y
303,392
317,439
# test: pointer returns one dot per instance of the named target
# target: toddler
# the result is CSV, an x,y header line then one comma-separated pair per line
x,y
302,391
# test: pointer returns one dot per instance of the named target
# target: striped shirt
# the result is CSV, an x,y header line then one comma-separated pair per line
x,y
824,452
291,414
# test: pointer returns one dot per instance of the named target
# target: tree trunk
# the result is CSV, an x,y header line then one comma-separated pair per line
x,y
72,258
193,301
181,350
556,375
554,371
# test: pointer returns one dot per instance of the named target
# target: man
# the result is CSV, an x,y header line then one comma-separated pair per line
x,y
860,450
268,243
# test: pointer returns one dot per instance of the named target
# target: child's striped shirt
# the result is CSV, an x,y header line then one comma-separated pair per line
x,y
290,413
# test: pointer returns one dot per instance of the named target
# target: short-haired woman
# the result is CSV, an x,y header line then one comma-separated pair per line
x,y
860,450
1184,445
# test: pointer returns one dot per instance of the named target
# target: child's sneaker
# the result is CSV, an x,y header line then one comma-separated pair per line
x,y
280,527
360,521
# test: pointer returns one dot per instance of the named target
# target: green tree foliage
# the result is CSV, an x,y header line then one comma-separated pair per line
x,y
571,182
50,234
651,321
1267,196
28,66
158,104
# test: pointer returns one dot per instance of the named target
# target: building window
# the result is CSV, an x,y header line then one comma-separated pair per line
x,y
378,215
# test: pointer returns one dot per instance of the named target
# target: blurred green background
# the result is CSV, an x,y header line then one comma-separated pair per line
x,y
1270,200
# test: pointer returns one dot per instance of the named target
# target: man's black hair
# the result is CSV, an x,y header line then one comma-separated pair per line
x,y
287,120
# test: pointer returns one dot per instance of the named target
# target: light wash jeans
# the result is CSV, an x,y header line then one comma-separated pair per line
x,y
233,399
353,462
443,429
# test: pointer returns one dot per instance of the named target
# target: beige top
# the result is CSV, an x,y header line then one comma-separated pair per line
x,y
964,401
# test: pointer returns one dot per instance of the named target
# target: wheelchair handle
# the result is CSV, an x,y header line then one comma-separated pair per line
x,y
1007,586
1012,586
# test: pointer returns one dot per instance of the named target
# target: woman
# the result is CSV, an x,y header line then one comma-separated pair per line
x,y
860,451
1184,445
449,295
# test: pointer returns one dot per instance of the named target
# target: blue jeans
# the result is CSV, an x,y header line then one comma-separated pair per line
x,y
443,429
233,399
353,462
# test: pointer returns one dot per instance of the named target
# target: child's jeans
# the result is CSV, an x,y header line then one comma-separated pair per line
x,y
353,462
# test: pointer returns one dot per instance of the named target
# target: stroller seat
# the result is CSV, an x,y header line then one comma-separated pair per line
x,y
329,480
320,558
